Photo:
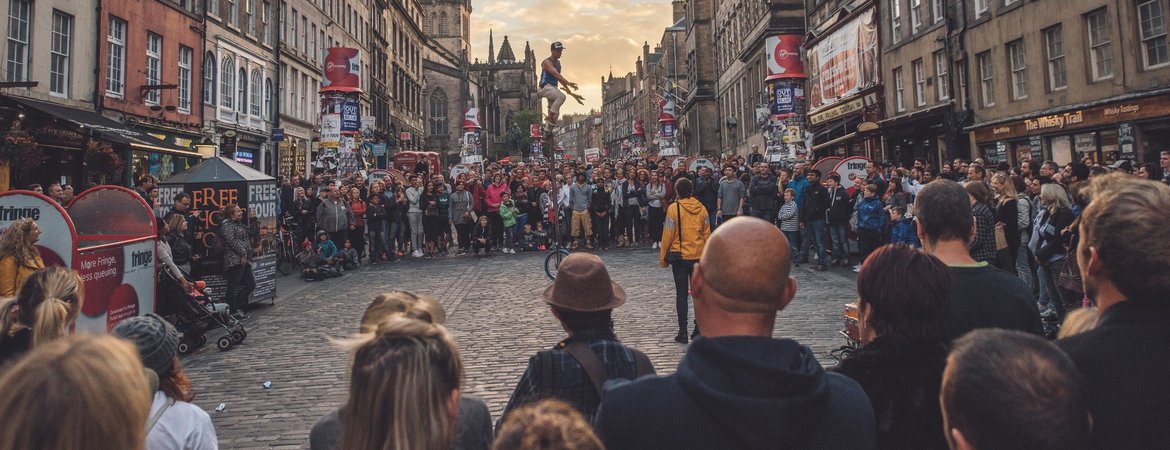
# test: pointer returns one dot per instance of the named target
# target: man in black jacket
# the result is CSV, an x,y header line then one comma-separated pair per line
x,y
762,192
601,208
812,215
707,192
737,386
1124,260
837,216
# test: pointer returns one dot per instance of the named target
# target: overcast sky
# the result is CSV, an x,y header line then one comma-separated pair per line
x,y
597,34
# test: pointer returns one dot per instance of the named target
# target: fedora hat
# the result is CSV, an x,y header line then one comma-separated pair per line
x,y
583,285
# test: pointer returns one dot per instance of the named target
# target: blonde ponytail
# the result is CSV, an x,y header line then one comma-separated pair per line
x,y
52,319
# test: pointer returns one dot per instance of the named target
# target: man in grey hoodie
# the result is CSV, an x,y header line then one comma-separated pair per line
x,y
737,386
334,216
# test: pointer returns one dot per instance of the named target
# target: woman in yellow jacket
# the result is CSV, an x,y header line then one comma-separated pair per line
x,y
18,256
684,233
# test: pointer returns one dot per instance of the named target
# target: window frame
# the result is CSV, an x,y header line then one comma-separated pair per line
x,y
116,61
982,8
256,98
986,67
242,89
17,69
938,10
899,90
1017,56
1100,52
209,74
915,15
186,71
1147,40
153,70
227,83
1052,60
60,54
919,69
942,73
896,20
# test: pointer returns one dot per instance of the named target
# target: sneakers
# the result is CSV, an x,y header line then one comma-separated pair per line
x,y
417,254
857,268
655,245
1048,313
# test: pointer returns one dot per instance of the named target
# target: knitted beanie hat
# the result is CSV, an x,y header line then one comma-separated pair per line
x,y
157,340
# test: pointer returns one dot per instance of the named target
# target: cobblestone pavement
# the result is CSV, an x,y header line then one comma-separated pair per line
x,y
494,312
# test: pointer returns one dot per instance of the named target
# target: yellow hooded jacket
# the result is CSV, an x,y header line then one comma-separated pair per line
x,y
690,216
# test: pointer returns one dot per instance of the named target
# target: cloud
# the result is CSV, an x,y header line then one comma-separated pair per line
x,y
599,36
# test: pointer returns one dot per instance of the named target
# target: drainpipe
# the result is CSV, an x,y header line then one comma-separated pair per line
x,y
97,63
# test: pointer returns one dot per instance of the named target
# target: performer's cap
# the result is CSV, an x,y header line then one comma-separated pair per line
x,y
558,45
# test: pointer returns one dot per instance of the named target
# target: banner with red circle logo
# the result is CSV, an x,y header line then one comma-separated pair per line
x,y
784,56
343,70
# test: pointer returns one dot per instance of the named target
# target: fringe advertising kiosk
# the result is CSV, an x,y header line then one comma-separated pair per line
x,y
214,184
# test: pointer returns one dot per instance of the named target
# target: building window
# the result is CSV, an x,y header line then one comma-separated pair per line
x,y
305,34
19,14
293,21
242,91
986,78
233,13
961,73
213,7
59,58
943,73
980,7
900,90
304,97
1009,2
269,114
1100,56
1152,20
291,81
915,15
442,24
283,21
1019,67
186,57
227,80
438,113
266,30
313,34
116,57
896,20
209,78
256,93
153,66
939,12
1054,49
919,83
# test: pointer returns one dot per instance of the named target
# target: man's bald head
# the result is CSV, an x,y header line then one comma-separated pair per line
x,y
745,264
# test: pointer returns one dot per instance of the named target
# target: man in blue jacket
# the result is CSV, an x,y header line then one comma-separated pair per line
x,y
738,387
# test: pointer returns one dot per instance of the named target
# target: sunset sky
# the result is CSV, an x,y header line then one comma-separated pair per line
x,y
597,34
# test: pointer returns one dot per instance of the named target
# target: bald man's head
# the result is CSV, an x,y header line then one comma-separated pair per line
x,y
745,264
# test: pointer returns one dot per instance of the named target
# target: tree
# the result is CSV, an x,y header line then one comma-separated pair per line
x,y
523,121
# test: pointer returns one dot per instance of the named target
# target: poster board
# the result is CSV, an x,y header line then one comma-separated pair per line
x,y
852,171
827,164
58,244
116,245
214,184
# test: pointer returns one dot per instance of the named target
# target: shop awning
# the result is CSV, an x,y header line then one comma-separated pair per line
x,y
104,127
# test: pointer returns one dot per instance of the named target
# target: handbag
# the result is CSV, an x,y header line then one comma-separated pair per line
x,y
1070,272
673,257
1001,241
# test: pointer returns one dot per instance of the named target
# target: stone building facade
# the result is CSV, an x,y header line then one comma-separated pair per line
x,y
507,85
450,87
699,121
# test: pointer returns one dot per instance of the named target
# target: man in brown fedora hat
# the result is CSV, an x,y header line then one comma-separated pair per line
x,y
582,299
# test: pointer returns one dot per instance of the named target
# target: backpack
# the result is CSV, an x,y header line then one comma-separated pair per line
x,y
591,363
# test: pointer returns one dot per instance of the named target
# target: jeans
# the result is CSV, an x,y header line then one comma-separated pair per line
x,y
656,217
240,284
1024,268
840,246
507,241
631,222
497,223
868,241
711,216
814,231
377,240
416,230
682,285
1049,293
793,243
766,214
395,239
464,233
601,224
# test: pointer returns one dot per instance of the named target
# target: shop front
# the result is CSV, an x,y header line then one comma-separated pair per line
x,y
164,163
918,135
294,147
838,130
1134,129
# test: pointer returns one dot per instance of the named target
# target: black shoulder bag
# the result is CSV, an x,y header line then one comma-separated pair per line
x,y
673,257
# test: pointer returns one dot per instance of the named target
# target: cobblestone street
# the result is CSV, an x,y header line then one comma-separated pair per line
x,y
494,311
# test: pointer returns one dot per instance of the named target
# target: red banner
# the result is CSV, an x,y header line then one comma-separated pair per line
x,y
784,56
343,70
534,130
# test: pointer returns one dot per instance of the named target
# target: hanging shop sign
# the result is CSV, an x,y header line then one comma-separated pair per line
x,y
1037,151
1125,141
227,144
343,70
844,62
784,56
843,109
1098,116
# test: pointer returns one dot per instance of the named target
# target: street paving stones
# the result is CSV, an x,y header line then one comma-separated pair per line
x,y
494,312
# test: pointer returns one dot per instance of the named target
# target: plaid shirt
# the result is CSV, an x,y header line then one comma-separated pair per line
x,y
983,246
570,383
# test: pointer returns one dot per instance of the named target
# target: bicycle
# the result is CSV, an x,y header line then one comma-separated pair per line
x,y
557,252
286,254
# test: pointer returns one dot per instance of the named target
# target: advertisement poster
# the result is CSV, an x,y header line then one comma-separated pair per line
x,y
351,116
852,171
783,100
343,70
783,53
698,163
592,155
57,235
330,130
471,119
471,150
844,62
119,284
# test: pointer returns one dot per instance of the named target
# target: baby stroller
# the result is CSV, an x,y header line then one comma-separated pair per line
x,y
193,314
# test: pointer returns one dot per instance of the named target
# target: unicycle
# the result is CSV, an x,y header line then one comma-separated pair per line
x,y
553,260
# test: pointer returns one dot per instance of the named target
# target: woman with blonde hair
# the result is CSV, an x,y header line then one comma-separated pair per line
x,y
19,257
78,393
1047,244
404,388
48,305
1007,219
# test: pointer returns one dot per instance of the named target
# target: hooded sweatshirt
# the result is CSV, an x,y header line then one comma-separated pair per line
x,y
739,392
695,230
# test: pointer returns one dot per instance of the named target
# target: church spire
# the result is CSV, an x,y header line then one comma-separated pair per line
x,y
491,48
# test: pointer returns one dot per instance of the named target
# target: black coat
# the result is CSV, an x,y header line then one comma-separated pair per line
x,y
816,202
762,192
840,206
707,192
1124,363
1051,240
902,380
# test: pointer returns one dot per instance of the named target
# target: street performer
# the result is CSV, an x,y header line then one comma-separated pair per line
x,y
550,75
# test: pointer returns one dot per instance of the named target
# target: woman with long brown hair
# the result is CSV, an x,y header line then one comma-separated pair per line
x,y
175,423
78,393
19,257
407,365
48,305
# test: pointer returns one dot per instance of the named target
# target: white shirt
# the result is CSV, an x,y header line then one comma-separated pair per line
x,y
182,427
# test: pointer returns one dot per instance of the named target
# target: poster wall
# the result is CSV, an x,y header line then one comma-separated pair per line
x,y
845,62
119,284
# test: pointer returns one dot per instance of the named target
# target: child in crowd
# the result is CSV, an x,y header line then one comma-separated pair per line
x,y
902,229
348,256
508,214
528,240
541,235
481,236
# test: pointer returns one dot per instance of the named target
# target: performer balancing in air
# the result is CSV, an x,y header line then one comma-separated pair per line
x,y
550,75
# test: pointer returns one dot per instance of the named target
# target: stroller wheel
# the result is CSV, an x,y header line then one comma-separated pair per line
x,y
184,347
224,343
238,336
201,341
